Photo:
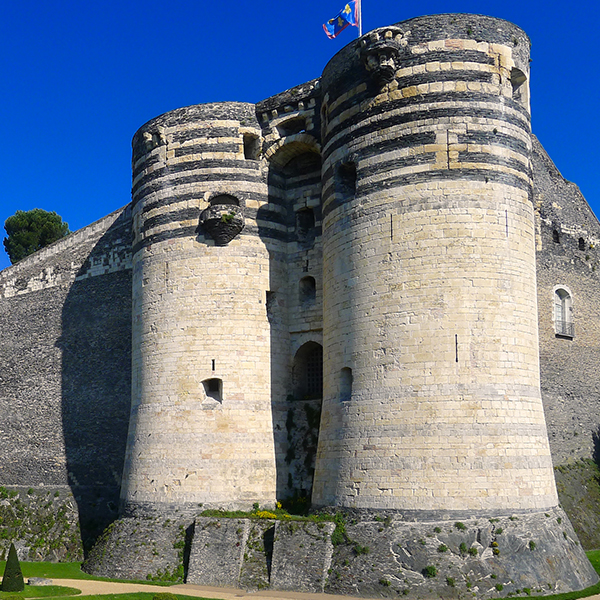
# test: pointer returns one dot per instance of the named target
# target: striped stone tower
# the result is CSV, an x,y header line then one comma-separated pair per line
x,y
431,378
200,430
411,212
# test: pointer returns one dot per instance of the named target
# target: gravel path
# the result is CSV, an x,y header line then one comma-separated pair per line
x,y
89,587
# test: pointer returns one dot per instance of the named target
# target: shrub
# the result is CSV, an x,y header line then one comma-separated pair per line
x,y
442,548
13,578
499,587
460,526
473,551
450,581
531,545
339,536
429,571
437,530
361,549
463,548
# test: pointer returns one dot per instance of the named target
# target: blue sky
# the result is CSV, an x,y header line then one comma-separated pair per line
x,y
79,78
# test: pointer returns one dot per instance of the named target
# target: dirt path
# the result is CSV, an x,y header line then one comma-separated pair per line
x,y
89,587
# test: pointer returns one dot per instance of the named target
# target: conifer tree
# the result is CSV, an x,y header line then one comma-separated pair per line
x,y
29,231
13,578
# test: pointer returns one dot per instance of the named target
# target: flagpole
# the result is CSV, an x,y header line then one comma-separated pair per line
x,y
359,18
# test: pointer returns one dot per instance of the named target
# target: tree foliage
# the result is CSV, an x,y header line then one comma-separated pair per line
x,y
13,577
29,231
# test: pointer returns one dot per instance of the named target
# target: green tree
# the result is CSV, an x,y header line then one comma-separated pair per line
x,y
13,578
29,231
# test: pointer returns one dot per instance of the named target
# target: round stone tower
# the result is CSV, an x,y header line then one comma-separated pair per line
x,y
431,399
200,430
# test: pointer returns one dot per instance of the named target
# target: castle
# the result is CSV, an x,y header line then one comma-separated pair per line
x,y
387,246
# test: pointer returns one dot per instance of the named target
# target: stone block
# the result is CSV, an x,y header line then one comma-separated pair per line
x,y
217,551
301,556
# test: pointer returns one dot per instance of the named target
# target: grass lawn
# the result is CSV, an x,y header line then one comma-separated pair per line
x,y
51,570
42,591
70,570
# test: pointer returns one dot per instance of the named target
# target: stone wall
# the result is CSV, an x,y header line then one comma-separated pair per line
x,y
65,322
376,555
43,523
568,246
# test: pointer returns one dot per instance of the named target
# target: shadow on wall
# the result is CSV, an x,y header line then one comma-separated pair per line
x,y
290,233
96,380
596,450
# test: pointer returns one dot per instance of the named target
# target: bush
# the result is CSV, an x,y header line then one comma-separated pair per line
x,y
358,549
429,571
13,578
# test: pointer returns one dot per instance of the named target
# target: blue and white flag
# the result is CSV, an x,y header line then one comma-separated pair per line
x,y
347,16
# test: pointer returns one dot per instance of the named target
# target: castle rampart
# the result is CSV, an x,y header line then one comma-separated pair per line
x,y
364,244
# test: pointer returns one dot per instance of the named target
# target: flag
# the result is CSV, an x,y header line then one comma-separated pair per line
x,y
347,16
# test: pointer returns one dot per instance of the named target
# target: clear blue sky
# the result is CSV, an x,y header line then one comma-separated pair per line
x,y
79,78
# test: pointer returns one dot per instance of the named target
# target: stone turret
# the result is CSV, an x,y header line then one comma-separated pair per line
x,y
200,430
429,274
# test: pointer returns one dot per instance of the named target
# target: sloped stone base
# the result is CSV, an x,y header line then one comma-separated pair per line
x,y
489,557
378,555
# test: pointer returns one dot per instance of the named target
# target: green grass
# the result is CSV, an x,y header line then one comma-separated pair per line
x,y
594,557
70,570
42,591
50,570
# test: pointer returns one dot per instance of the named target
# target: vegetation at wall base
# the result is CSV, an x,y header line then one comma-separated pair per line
x,y
12,580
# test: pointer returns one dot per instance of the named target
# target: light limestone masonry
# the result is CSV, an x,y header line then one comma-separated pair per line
x,y
199,316
430,293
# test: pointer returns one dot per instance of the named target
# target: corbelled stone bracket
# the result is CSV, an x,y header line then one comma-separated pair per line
x,y
222,222
380,52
